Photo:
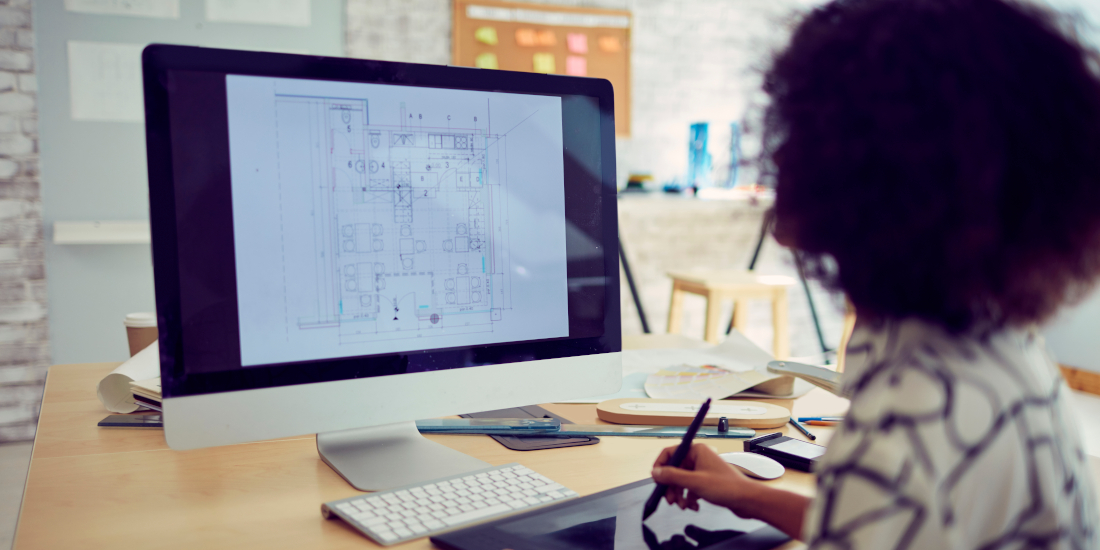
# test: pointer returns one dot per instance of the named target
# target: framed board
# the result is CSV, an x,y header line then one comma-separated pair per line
x,y
492,34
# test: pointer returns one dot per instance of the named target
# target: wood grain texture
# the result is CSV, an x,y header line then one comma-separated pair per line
x,y
91,487
1082,380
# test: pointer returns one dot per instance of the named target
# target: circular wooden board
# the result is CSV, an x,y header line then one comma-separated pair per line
x,y
680,412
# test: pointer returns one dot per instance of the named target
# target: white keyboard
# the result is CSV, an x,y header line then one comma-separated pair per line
x,y
405,513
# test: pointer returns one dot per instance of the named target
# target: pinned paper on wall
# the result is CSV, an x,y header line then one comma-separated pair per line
x,y
576,65
526,37
577,42
546,38
486,60
164,9
544,63
486,35
610,44
105,81
292,13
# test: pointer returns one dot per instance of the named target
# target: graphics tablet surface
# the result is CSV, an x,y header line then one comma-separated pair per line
x,y
612,520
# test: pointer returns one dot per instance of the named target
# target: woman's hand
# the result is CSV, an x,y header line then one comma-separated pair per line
x,y
704,474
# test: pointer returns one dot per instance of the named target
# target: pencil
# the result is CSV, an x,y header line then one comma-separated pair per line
x,y
803,429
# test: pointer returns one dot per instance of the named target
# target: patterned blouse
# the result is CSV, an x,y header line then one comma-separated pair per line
x,y
953,443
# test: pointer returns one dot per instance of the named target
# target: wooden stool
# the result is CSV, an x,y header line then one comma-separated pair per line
x,y
738,286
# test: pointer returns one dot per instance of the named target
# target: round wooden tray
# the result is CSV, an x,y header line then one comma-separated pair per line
x,y
680,412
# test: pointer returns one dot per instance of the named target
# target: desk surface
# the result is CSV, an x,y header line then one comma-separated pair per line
x,y
91,487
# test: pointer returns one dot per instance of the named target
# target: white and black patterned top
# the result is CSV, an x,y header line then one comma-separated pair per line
x,y
953,443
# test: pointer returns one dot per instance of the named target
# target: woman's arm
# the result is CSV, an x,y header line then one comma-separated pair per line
x,y
704,474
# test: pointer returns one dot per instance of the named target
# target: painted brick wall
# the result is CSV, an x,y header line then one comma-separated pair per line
x,y
24,336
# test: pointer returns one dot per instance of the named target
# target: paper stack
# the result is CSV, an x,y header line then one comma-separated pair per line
x,y
147,393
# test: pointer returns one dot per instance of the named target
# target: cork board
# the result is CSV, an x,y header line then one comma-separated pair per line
x,y
550,39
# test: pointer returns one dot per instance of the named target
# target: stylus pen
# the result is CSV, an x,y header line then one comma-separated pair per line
x,y
677,458
803,429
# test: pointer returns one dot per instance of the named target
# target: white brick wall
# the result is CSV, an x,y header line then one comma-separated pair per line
x,y
24,336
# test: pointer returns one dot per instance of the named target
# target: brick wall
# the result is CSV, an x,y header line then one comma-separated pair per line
x,y
24,335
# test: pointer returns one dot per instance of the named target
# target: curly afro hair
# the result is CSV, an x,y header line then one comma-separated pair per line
x,y
939,159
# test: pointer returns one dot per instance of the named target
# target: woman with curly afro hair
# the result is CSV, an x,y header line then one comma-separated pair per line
x,y
938,161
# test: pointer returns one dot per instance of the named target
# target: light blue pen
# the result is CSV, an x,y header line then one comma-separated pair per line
x,y
821,418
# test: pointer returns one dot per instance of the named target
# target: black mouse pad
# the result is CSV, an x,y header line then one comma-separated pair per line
x,y
533,442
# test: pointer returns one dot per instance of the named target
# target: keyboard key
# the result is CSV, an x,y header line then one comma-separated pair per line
x,y
480,504
418,529
375,521
434,524
452,511
518,504
466,507
550,487
345,507
387,536
555,495
476,515
395,524
531,500
402,532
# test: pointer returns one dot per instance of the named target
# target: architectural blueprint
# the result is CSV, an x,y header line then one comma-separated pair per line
x,y
409,227
373,219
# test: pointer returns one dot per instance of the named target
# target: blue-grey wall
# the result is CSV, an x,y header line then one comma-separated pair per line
x,y
96,170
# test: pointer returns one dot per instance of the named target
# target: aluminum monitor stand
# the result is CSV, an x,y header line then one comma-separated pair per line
x,y
393,455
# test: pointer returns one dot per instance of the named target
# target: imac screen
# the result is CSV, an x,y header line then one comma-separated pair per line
x,y
323,219
372,219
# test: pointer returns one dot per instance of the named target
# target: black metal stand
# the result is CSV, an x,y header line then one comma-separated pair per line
x,y
769,217
633,288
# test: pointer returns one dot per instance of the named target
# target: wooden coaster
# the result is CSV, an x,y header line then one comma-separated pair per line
x,y
680,412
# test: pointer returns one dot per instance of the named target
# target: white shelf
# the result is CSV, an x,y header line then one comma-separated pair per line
x,y
101,232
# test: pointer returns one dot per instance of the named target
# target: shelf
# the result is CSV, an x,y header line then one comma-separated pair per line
x,y
101,232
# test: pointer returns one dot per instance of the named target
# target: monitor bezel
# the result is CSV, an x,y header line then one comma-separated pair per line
x,y
158,60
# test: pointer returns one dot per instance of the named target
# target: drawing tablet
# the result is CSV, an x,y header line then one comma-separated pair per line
x,y
612,520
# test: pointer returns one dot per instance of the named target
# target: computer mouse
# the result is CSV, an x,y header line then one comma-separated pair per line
x,y
754,465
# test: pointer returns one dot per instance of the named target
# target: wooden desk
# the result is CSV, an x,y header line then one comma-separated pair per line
x,y
91,487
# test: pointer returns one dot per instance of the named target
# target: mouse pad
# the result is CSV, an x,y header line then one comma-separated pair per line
x,y
533,442
612,520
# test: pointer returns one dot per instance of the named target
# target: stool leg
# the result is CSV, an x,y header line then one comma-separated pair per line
x,y
714,317
741,315
676,309
781,342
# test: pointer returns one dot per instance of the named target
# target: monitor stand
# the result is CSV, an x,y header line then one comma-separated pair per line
x,y
393,455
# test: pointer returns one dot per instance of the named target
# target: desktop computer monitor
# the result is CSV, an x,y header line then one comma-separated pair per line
x,y
344,246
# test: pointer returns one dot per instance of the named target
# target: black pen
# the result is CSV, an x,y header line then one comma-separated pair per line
x,y
803,429
677,458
